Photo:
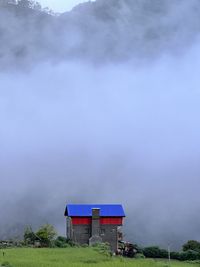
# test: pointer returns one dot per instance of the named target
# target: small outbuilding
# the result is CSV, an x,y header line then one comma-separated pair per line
x,y
94,223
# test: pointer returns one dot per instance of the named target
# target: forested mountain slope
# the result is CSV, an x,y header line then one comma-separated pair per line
x,y
101,31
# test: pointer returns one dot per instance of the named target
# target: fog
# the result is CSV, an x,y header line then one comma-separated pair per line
x,y
101,128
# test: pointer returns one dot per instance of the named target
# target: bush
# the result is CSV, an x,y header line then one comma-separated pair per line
x,y
138,249
63,242
189,255
139,256
6,264
103,248
155,252
84,246
175,255
29,236
194,262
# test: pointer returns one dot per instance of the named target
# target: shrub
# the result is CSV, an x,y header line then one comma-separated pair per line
x,y
194,262
62,242
6,264
138,248
189,255
84,246
175,255
103,248
139,256
155,252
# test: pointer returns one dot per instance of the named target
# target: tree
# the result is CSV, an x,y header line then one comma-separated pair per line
x,y
192,245
30,4
24,3
29,236
46,234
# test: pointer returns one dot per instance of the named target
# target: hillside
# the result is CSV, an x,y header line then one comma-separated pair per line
x,y
22,34
101,31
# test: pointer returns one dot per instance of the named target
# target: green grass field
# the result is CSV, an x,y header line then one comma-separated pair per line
x,y
75,257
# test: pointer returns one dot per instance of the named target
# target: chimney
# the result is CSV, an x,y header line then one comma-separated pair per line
x,y
95,222
95,238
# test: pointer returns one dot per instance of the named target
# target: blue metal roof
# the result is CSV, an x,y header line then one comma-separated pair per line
x,y
85,210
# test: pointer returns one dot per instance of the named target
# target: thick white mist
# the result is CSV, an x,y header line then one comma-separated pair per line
x,y
101,104
119,133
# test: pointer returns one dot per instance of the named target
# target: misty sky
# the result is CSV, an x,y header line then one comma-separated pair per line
x,y
60,5
94,109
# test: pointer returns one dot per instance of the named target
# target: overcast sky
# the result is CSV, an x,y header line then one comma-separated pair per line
x,y
61,5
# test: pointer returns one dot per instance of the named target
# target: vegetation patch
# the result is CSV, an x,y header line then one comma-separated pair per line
x,y
76,257
6,264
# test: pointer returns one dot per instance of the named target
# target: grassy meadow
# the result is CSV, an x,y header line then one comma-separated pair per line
x,y
75,257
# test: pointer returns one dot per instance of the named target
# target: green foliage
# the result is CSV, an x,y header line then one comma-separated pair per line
x,y
6,264
139,256
192,245
175,255
63,242
194,262
155,252
55,257
191,252
103,248
76,257
189,255
29,236
46,234
138,248
85,246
